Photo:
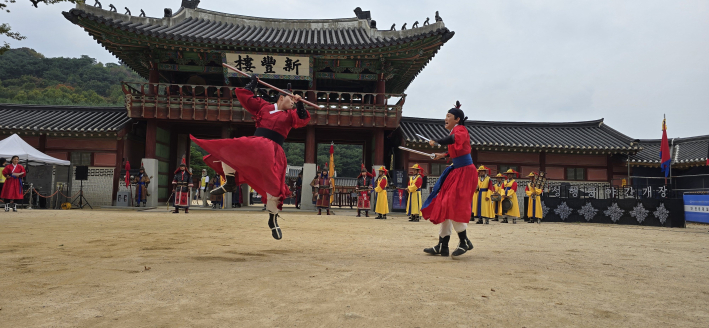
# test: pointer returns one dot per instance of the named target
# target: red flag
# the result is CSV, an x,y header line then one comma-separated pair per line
x,y
127,173
401,196
665,157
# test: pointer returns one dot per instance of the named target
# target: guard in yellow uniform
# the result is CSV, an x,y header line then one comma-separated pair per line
x,y
413,206
509,191
497,197
482,204
382,207
534,205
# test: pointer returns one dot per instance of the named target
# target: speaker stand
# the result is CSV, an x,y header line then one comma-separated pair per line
x,y
81,197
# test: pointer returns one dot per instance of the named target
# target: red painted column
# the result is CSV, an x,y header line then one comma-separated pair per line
x,y
151,135
543,161
153,77
310,145
379,146
311,95
381,89
226,131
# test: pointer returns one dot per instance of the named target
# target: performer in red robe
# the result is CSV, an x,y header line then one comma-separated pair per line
x,y
364,192
183,183
12,190
258,161
449,204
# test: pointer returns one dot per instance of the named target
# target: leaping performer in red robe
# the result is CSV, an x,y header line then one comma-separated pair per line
x,y
259,160
449,203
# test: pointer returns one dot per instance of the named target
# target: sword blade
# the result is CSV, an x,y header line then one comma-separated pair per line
x,y
422,137
432,156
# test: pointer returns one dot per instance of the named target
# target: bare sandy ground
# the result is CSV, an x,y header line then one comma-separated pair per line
x,y
223,269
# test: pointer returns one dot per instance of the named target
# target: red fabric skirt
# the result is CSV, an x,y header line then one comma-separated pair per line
x,y
259,162
182,198
363,200
455,198
12,189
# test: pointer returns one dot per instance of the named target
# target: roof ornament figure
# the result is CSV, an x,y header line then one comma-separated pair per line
x,y
98,4
403,27
168,13
142,13
438,18
426,21
362,14
416,24
128,12
112,8
393,27
373,24
190,4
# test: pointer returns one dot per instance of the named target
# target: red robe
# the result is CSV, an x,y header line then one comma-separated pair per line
x,y
453,201
259,162
13,186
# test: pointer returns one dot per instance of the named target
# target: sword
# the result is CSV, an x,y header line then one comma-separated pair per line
x,y
422,137
432,156
270,86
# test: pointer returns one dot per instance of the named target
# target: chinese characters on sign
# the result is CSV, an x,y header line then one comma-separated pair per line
x,y
285,67
607,192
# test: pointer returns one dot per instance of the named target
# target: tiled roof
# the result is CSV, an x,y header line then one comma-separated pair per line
x,y
62,118
204,26
577,136
684,151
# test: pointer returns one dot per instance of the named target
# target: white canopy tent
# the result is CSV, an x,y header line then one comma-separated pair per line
x,y
15,146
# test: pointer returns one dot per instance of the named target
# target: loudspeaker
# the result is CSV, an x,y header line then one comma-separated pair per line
x,y
82,173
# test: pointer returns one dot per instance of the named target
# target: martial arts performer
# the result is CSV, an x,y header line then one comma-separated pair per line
x,y
380,188
259,161
449,202
497,204
182,183
509,191
12,190
141,181
324,191
413,206
364,191
534,204
482,204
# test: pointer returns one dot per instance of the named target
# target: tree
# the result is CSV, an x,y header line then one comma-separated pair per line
x,y
7,31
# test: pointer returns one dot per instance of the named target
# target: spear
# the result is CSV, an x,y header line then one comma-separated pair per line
x,y
269,86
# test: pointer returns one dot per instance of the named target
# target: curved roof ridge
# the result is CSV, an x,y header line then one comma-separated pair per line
x,y
593,123
678,139
61,107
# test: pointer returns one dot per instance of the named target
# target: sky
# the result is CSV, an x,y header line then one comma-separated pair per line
x,y
629,62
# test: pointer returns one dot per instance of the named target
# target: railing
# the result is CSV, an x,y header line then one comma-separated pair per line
x,y
218,103
341,199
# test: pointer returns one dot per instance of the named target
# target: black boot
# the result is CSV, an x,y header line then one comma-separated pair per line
x,y
359,213
514,220
384,217
229,186
379,217
177,210
441,248
480,221
464,245
366,214
319,211
487,221
328,211
187,210
273,224
504,220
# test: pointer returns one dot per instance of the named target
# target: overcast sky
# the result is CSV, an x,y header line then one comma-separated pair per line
x,y
629,62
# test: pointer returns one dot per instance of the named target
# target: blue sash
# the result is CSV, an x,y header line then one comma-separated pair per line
x,y
458,162
480,200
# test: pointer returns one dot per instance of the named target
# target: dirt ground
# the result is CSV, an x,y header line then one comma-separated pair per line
x,y
106,268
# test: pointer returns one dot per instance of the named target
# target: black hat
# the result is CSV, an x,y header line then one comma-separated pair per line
x,y
458,113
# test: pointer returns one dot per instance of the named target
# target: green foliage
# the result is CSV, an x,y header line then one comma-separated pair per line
x,y
348,158
196,162
30,78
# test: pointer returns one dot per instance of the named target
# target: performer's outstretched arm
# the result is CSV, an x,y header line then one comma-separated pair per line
x,y
300,116
251,103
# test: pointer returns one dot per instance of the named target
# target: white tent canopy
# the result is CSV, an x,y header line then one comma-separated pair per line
x,y
15,146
